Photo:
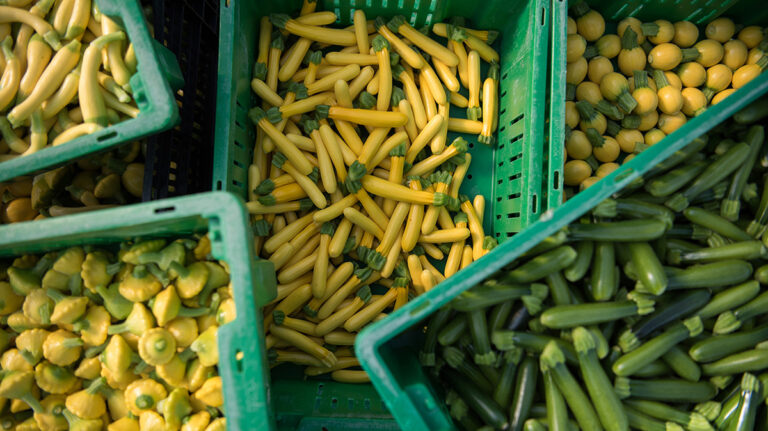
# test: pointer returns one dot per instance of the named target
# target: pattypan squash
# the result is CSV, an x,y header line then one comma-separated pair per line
x,y
206,347
89,368
30,344
124,424
62,347
38,307
184,330
139,321
143,395
52,418
68,308
175,408
94,326
210,393
196,422
9,300
191,279
219,424
70,261
80,424
116,403
24,280
151,421
132,254
13,360
197,373
97,271
18,385
116,304
140,285
55,379
89,403
226,312
157,346
19,322
174,252
203,248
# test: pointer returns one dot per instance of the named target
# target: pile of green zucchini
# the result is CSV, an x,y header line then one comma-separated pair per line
x,y
648,313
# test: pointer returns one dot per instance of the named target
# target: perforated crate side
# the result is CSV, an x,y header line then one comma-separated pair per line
x,y
179,162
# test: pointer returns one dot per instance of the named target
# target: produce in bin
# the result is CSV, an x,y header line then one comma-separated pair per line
x,y
627,91
92,183
119,338
354,186
648,313
66,70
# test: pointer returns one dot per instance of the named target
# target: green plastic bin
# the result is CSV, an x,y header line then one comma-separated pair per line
x,y
157,66
388,349
223,216
509,174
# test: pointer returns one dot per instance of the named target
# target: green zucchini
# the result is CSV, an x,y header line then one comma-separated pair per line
x,y
732,203
664,412
557,412
675,179
713,174
730,298
541,265
749,360
477,399
580,266
503,392
670,390
682,364
553,360
749,403
754,112
604,281
651,276
730,321
607,404
656,347
719,346
678,308
621,231
525,389
635,209
715,223
489,294
572,315
716,274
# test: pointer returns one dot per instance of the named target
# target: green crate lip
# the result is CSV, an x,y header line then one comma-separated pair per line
x,y
158,113
373,337
230,231
553,184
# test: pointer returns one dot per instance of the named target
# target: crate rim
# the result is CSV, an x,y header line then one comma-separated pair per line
x,y
374,336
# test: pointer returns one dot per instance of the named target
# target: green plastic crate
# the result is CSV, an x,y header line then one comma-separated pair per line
x,y
224,218
509,175
157,66
387,349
